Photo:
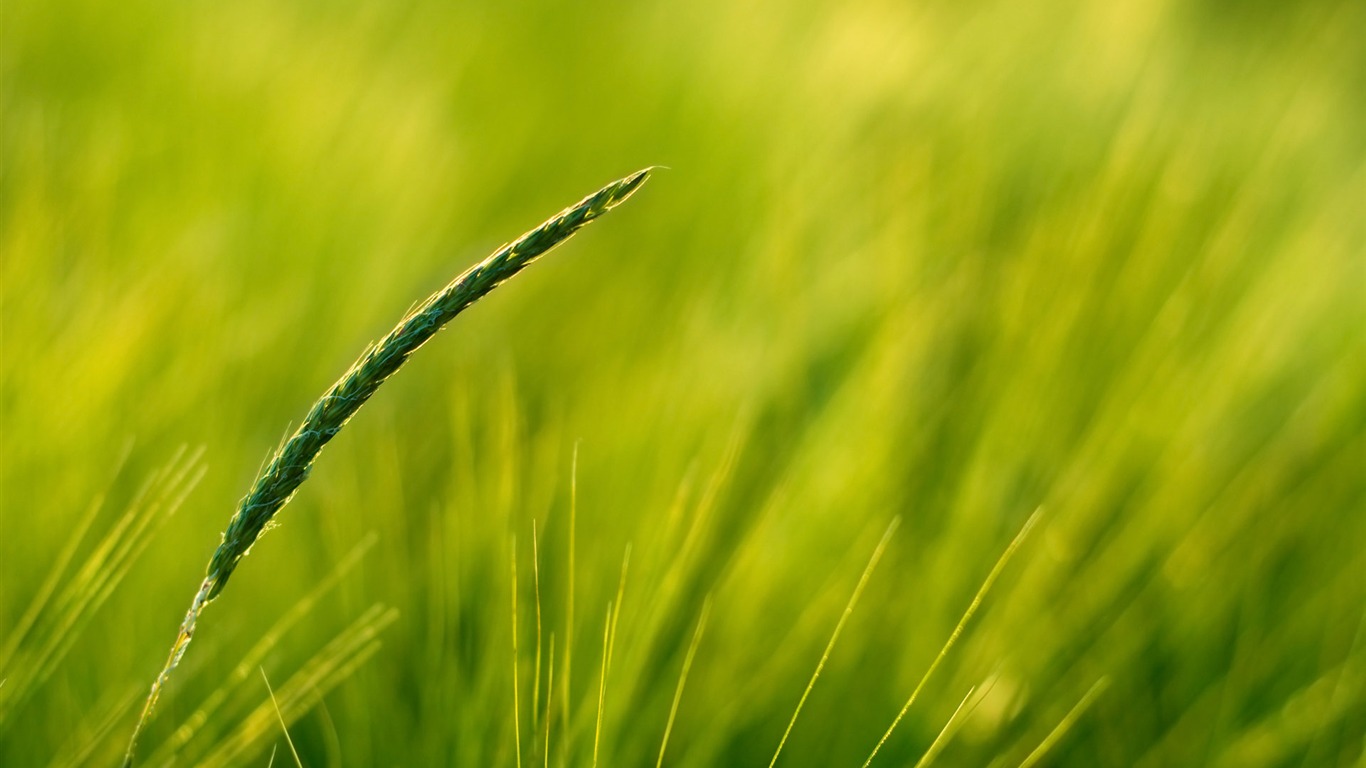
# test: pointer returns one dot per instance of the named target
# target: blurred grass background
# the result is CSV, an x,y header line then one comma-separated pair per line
x,y
948,262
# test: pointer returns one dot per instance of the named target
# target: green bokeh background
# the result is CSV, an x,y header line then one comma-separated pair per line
x,y
947,263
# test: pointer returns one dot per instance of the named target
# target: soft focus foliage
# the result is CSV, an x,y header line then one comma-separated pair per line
x,y
948,262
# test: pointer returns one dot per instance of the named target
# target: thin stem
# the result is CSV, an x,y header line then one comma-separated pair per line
x,y
839,627
957,630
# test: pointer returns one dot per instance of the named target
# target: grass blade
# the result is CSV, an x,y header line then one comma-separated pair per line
x,y
839,627
945,733
1066,723
683,679
284,728
516,662
957,630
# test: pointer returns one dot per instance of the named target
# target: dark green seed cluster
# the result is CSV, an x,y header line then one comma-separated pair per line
x,y
292,463
290,466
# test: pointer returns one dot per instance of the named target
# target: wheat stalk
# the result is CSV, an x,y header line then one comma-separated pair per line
x,y
291,464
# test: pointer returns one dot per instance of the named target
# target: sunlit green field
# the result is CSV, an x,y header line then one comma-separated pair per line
x,y
929,265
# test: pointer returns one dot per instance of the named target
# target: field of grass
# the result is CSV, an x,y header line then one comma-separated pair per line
x,y
915,274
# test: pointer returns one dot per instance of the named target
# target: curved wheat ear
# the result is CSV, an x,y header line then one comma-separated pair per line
x,y
290,465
